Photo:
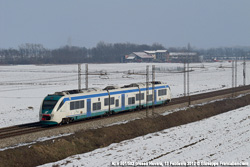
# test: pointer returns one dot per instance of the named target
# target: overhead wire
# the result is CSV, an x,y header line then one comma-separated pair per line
x,y
50,78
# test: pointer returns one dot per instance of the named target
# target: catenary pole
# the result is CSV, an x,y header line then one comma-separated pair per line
x,y
86,76
184,72
153,89
79,76
244,71
236,72
232,77
147,89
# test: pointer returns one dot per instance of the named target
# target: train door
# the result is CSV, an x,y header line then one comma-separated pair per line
x,y
88,107
123,101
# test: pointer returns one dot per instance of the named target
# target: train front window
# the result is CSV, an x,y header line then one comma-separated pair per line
x,y
49,104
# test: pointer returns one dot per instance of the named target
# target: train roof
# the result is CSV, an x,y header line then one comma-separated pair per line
x,y
141,84
77,91
111,87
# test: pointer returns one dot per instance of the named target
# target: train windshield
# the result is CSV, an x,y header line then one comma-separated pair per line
x,y
49,104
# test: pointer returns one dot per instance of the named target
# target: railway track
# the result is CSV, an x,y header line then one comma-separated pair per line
x,y
21,129
36,126
195,97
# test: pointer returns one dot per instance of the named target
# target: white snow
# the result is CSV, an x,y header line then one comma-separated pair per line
x,y
224,138
23,87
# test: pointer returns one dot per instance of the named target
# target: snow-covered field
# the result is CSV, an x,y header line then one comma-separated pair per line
x,y
217,141
23,87
223,138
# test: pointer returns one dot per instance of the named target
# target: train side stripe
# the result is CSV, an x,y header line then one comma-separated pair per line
x,y
112,93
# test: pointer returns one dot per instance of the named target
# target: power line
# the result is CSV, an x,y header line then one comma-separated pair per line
x,y
41,79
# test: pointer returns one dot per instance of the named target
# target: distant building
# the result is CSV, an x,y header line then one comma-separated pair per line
x,y
159,55
147,56
162,56
138,57
151,53
180,57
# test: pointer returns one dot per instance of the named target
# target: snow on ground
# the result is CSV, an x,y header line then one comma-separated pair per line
x,y
224,138
23,87
221,138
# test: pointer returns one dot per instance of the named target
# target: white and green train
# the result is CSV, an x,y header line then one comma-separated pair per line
x,y
71,105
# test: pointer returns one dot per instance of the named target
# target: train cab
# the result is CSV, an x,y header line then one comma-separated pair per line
x,y
49,105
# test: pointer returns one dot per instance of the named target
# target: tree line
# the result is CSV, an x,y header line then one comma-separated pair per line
x,y
103,53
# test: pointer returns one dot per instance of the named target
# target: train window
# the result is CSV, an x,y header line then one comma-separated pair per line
x,y
162,92
131,100
150,97
165,91
112,100
96,106
82,104
61,104
72,105
106,101
142,96
138,97
49,104
77,104
117,103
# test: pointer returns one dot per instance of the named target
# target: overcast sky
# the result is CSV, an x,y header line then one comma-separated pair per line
x,y
55,23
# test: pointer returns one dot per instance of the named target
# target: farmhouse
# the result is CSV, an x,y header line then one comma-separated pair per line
x,y
180,57
138,57
147,56
162,56
159,55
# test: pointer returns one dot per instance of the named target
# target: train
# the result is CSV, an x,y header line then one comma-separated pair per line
x,y
72,105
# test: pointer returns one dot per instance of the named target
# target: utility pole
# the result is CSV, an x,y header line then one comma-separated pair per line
x,y
153,89
86,76
187,77
244,71
188,94
147,86
232,77
147,90
184,77
235,72
79,76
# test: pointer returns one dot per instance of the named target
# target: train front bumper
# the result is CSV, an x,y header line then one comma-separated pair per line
x,y
48,122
